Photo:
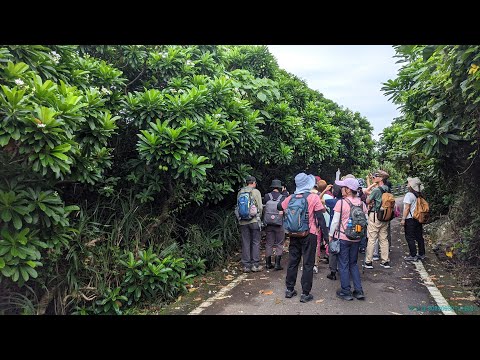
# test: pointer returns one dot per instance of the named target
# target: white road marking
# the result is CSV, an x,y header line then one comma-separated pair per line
x,y
218,295
442,303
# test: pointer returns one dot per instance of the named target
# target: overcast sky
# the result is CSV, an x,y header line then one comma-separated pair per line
x,y
350,75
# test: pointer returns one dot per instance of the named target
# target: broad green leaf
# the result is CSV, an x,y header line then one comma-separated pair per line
x,y
262,96
428,51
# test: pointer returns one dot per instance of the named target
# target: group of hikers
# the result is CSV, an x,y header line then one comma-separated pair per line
x,y
342,219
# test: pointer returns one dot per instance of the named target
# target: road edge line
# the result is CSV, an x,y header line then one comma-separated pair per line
x,y
442,303
221,293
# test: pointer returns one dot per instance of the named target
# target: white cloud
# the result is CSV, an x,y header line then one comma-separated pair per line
x,y
350,75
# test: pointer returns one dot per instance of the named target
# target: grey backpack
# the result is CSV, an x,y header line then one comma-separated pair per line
x,y
357,222
272,215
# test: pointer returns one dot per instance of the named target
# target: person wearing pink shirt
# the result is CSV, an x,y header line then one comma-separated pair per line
x,y
303,246
348,256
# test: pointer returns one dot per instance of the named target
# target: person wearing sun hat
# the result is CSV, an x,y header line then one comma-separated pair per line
x,y
275,235
348,256
250,230
376,228
303,246
413,228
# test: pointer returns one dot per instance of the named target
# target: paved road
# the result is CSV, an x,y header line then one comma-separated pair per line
x,y
398,290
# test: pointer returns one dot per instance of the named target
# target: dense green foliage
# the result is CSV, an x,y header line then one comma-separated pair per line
x,y
437,138
119,165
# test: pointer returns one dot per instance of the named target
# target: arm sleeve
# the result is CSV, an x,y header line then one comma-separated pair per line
x,y
258,199
335,222
322,224
407,199
318,205
283,204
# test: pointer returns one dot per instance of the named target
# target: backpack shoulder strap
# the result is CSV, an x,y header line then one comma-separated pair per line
x,y
340,221
270,196
349,203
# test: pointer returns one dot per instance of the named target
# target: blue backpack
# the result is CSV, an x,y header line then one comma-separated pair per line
x,y
246,206
295,220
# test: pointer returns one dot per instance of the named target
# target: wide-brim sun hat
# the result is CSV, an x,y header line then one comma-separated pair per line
x,y
415,183
352,184
304,182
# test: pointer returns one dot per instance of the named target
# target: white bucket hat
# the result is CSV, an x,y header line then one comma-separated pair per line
x,y
415,184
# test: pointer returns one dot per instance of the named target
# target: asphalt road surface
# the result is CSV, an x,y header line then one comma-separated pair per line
x,y
394,291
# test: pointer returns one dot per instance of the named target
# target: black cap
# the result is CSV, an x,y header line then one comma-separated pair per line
x,y
250,179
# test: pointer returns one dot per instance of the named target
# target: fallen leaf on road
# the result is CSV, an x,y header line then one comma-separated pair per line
x,y
229,277
277,301
223,297
248,279
266,292
469,298
192,289
264,278
247,293
407,278
197,299
440,286
177,308
212,284
319,301
391,288
394,313
451,286
179,298
374,274
449,253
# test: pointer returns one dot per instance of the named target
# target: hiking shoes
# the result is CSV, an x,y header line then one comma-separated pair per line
x,y
315,269
306,298
290,293
385,265
359,295
344,296
376,258
410,258
421,257
362,250
246,269
368,265
257,268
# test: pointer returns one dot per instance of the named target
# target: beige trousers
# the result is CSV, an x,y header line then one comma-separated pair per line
x,y
377,229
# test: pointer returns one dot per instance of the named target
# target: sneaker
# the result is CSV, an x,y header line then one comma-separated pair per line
x,y
332,276
344,296
290,293
410,258
386,265
421,257
359,295
368,265
376,258
257,268
306,298
362,250
315,269
247,269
